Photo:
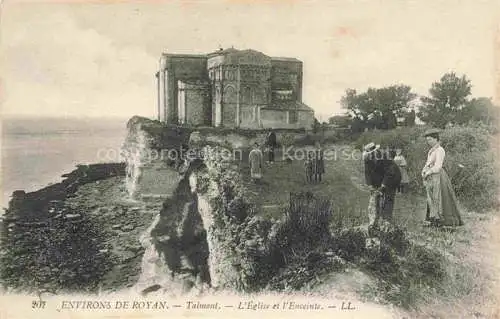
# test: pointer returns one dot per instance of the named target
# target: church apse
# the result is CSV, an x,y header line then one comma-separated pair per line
x,y
233,88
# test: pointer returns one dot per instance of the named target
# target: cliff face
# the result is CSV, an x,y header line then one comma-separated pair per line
x,y
195,242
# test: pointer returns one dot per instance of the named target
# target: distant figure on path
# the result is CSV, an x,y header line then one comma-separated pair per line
x,y
442,204
271,143
256,160
400,160
318,163
384,177
308,166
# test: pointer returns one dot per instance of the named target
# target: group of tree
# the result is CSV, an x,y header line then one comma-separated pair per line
x,y
380,108
449,102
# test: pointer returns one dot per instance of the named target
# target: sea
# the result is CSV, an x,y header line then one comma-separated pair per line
x,y
36,151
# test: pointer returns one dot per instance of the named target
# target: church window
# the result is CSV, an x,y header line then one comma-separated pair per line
x,y
229,94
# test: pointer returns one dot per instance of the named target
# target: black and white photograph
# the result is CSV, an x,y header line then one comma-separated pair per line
x,y
237,159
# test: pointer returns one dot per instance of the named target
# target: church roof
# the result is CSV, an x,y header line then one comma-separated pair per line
x,y
285,59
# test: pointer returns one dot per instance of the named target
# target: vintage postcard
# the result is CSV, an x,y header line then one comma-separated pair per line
x,y
250,159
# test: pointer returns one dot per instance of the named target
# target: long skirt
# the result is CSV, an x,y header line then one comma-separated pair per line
x,y
405,179
442,203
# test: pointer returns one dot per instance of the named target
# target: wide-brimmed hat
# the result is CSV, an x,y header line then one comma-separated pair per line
x,y
432,131
370,148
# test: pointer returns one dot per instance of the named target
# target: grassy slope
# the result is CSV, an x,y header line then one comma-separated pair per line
x,y
281,178
469,288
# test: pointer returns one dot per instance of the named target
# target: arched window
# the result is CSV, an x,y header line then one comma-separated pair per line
x,y
229,94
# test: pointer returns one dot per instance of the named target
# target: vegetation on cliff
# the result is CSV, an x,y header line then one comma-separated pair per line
x,y
303,245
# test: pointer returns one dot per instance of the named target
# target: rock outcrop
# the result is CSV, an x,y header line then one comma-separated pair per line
x,y
48,243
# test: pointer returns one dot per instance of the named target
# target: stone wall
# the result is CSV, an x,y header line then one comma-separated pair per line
x,y
248,116
287,74
194,103
272,118
305,119
229,114
181,67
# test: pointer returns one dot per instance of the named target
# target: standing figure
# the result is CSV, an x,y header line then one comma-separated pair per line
x,y
383,177
271,144
373,178
391,179
400,160
256,160
318,163
308,166
442,204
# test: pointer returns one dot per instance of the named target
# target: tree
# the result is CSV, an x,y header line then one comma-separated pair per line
x,y
446,99
410,118
479,110
378,108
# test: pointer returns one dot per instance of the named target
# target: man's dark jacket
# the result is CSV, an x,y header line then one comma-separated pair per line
x,y
382,172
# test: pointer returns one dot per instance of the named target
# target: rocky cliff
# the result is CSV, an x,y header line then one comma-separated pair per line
x,y
176,218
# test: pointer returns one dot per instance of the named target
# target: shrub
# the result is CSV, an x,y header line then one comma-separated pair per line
x,y
405,270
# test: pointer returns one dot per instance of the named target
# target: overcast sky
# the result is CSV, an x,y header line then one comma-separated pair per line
x,y
98,59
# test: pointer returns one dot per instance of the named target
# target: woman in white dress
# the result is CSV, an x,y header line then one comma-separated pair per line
x,y
256,160
442,204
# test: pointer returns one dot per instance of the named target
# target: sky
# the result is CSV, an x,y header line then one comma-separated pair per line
x,y
98,59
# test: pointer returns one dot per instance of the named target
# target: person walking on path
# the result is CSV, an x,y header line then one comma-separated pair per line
x,y
271,143
318,163
400,160
256,160
442,204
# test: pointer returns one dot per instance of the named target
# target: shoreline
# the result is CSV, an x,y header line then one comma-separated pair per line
x,y
81,234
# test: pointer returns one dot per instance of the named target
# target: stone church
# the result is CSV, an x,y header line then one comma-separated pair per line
x,y
232,88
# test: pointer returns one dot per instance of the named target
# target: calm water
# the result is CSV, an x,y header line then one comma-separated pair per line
x,y
37,151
